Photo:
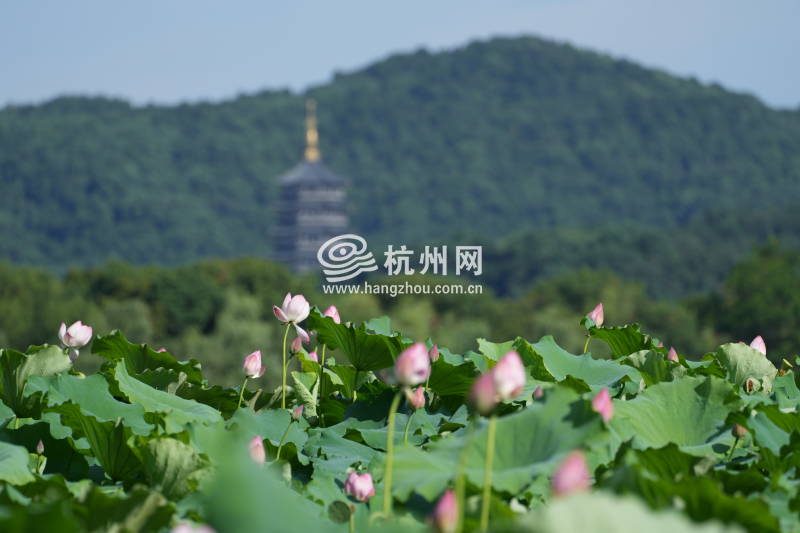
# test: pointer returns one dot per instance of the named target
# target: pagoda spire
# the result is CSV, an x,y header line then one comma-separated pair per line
x,y
312,135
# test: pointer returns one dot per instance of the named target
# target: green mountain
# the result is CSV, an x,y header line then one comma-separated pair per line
x,y
490,141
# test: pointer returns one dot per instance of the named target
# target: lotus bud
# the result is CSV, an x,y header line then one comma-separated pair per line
x,y
759,344
359,487
602,404
294,309
572,475
297,412
538,393
40,447
738,431
412,366
597,315
660,344
672,355
257,452
161,350
434,353
333,313
297,345
445,515
252,365
313,356
416,397
483,394
77,335
509,376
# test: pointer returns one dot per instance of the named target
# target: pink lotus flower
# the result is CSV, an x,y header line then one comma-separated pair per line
x,y
412,366
77,335
483,394
161,350
434,353
297,345
252,365
257,452
602,404
313,356
759,344
509,376
597,315
40,447
538,393
359,487
572,475
738,431
187,527
333,313
445,515
297,412
416,397
673,355
294,310
660,344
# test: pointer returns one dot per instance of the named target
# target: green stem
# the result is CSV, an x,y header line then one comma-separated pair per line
x,y
352,528
730,454
241,392
355,384
408,425
321,386
387,476
460,483
280,444
283,369
586,344
487,473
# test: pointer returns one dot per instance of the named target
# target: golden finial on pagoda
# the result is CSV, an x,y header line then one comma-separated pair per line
x,y
312,136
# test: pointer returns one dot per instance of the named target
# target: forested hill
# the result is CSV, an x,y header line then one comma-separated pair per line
x,y
494,138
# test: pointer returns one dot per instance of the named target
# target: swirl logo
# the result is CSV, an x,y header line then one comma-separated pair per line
x,y
344,257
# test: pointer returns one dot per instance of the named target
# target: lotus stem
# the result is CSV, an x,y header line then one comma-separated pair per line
x,y
586,344
283,369
352,528
321,385
408,425
355,384
733,448
487,473
460,483
241,393
283,438
387,476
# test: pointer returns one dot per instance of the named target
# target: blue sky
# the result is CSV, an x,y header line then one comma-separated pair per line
x,y
175,50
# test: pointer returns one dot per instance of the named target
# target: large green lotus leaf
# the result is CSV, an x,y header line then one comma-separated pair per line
x,y
623,340
786,392
743,362
599,512
772,427
62,457
364,349
141,359
14,464
596,373
171,467
652,365
136,510
110,445
451,374
16,367
689,412
89,397
272,426
494,351
529,443
177,411
333,453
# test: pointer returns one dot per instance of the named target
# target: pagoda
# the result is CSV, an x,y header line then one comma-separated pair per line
x,y
311,207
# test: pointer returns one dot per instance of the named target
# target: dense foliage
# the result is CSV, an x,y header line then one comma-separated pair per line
x,y
147,441
564,139
213,310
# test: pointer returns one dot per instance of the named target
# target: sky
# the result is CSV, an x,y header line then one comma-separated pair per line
x,y
167,51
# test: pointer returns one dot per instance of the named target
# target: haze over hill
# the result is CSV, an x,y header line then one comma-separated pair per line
x,y
491,140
